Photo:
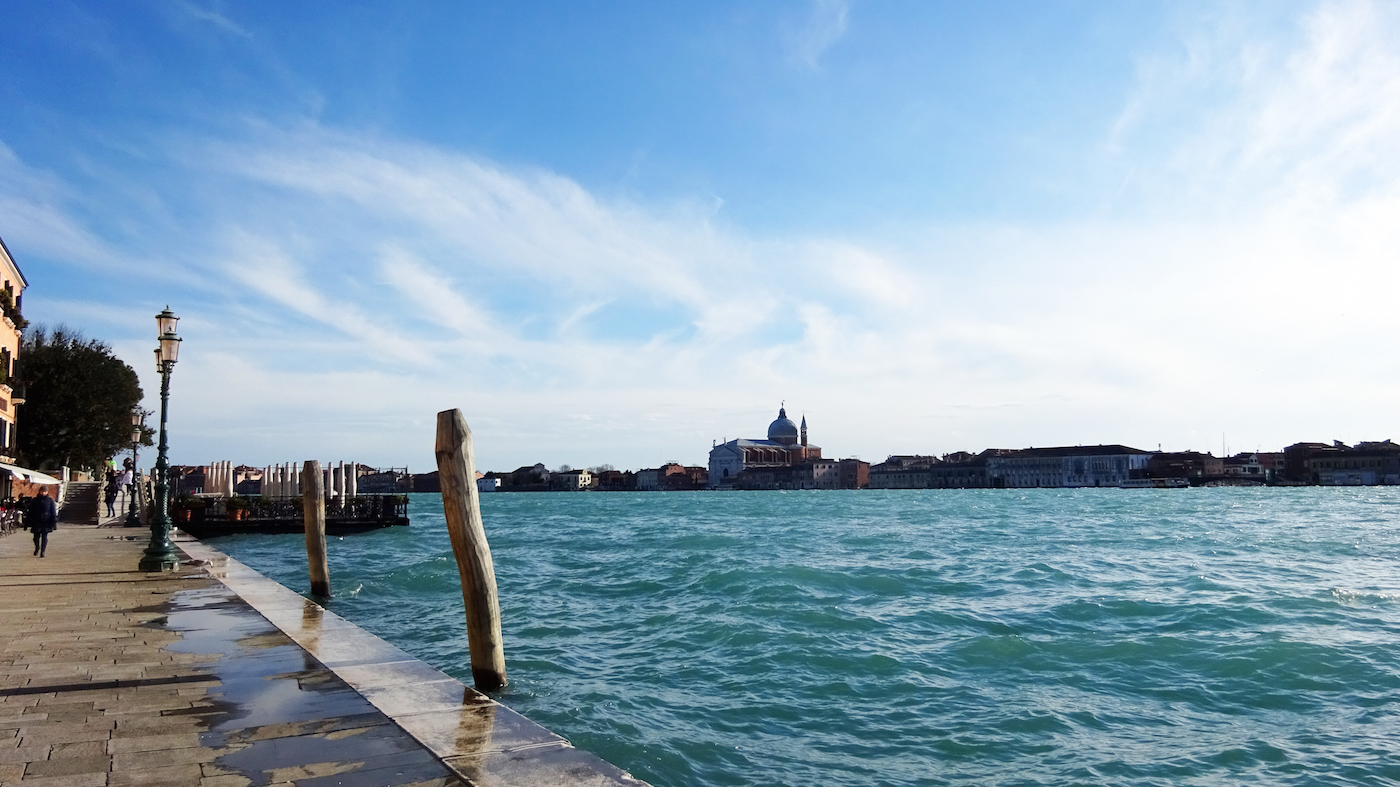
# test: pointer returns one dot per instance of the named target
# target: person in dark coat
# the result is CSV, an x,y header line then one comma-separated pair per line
x,y
110,498
43,519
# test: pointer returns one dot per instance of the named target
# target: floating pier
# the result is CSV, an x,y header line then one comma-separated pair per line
x,y
354,515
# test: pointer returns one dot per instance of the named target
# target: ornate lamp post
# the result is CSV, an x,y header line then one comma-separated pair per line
x,y
161,555
133,519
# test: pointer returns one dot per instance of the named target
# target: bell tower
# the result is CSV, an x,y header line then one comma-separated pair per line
x,y
804,430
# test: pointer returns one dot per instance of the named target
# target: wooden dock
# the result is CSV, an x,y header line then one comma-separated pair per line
x,y
371,512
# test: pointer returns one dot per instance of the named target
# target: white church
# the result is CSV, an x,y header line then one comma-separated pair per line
x,y
785,446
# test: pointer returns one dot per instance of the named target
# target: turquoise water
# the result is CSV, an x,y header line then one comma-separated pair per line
x,y
961,637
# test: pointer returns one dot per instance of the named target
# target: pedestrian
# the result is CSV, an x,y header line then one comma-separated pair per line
x,y
43,519
110,497
124,481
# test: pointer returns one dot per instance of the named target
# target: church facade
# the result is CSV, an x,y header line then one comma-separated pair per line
x,y
742,463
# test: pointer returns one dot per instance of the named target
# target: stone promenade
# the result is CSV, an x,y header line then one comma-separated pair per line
x,y
215,676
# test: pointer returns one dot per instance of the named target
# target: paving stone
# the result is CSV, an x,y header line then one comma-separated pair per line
x,y
68,766
73,780
142,760
174,775
182,740
62,733
25,754
79,749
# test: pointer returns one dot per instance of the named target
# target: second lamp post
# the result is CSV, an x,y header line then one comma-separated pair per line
x,y
133,519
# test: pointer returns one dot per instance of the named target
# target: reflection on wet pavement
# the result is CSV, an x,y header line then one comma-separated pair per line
x,y
294,663
113,676
278,715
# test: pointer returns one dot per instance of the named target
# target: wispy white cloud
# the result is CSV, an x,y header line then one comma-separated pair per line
x,y
213,17
823,27
1308,118
35,206
261,266
576,326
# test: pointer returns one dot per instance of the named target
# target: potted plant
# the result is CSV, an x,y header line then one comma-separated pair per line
x,y
237,507
183,507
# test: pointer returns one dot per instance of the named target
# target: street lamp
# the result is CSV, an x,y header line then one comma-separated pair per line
x,y
160,555
133,519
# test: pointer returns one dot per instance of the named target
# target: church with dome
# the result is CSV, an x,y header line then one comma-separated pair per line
x,y
768,463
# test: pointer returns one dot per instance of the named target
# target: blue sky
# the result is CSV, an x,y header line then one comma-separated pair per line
x,y
619,233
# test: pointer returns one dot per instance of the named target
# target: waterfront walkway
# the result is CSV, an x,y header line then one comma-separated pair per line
x,y
215,676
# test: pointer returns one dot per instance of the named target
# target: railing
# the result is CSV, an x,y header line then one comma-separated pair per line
x,y
365,507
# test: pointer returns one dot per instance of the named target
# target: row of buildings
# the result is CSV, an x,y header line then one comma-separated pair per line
x,y
786,459
1324,464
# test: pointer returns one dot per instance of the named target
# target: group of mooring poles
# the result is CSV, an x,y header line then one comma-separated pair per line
x,y
457,475
287,481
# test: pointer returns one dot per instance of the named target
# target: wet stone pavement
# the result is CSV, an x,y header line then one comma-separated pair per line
x,y
215,676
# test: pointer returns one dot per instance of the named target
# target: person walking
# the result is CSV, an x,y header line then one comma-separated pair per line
x,y
124,481
110,496
43,519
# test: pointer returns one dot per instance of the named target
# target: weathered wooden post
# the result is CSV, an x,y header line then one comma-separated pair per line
x,y
457,474
313,504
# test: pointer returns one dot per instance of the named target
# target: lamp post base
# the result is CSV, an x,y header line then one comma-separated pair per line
x,y
160,554
159,562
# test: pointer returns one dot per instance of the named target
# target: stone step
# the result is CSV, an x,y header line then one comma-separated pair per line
x,y
80,504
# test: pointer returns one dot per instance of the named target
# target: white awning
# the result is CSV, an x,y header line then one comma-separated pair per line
x,y
33,476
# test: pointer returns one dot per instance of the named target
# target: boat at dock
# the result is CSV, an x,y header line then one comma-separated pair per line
x,y
1155,483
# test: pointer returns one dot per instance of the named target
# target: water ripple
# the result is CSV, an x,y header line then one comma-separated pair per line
x,y
1038,637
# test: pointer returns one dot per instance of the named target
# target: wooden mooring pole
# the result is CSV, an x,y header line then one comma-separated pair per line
x,y
313,503
457,475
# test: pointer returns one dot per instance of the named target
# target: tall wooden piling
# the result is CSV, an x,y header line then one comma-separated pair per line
x,y
313,503
457,475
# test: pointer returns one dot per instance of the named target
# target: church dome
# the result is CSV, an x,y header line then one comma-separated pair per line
x,y
783,430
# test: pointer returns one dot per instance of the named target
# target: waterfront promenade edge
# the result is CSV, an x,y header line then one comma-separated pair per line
x,y
216,676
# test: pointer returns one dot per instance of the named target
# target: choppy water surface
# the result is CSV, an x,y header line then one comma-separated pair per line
x,y
1201,637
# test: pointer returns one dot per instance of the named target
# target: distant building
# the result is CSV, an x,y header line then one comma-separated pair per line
x,y
247,480
528,478
969,473
902,472
616,481
391,480
426,482
570,481
1184,464
1068,466
959,470
1367,464
691,477
1272,463
12,285
649,479
853,474
785,447
1297,460
1244,466
186,479
670,477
